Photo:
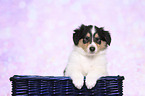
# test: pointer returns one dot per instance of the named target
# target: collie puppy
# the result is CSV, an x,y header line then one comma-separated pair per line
x,y
88,56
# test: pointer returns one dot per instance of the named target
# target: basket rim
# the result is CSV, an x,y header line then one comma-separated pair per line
x,y
37,77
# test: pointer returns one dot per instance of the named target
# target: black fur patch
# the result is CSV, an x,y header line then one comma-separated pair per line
x,y
103,35
81,33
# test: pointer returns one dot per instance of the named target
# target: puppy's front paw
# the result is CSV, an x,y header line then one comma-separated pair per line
x,y
78,82
90,82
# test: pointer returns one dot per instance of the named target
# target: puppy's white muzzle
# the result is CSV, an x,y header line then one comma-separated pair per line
x,y
92,48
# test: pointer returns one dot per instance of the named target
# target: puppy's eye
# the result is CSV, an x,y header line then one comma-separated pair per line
x,y
97,40
86,40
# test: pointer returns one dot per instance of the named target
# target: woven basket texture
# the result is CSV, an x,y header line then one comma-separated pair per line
x,y
62,86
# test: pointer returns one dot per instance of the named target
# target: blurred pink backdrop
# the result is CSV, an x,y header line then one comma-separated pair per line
x,y
36,38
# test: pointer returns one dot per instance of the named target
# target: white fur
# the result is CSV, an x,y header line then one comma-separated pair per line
x,y
93,43
82,64
93,30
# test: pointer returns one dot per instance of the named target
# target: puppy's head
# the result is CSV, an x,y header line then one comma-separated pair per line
x,y
91,38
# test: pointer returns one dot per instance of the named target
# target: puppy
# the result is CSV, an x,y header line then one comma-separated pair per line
x,y
88,57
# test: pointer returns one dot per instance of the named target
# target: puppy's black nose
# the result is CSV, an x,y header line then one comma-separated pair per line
x,y
92,49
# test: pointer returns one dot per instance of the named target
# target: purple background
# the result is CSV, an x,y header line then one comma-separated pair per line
x,y
36,38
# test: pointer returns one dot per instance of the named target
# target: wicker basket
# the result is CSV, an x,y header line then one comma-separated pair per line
x,y
62,86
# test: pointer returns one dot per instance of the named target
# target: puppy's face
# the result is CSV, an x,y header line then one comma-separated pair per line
x,y
91,39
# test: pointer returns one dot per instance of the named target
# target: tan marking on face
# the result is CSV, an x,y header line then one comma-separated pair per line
x,y
83,46
88,34
96,35
102,46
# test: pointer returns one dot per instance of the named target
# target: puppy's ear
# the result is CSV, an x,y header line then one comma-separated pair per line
x,y
77,34
107,37
75,37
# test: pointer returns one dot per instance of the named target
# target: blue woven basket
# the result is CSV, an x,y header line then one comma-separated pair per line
x,y
62,86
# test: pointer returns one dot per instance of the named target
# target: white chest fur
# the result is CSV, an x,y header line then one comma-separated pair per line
x,y
84,63
81,64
